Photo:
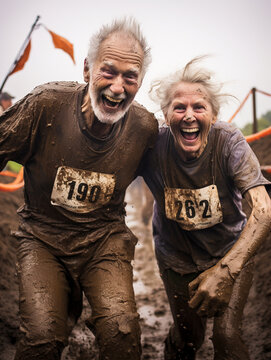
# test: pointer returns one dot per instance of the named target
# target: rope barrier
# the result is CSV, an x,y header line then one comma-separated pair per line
x,y
240,107
16,184
258,135
266,168
263,92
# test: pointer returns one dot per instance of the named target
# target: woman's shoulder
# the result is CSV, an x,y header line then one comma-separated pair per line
x,y
224,131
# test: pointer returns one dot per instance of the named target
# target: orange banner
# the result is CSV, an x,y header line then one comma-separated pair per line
x,y
62,43
23,59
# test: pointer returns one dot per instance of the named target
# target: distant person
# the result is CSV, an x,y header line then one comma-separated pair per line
x,y
198,173
5,101
80,145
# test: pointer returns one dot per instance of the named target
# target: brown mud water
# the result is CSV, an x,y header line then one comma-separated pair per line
x,y
155,317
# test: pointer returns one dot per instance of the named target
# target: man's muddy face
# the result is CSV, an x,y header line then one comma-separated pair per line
x,y
190,117
115,77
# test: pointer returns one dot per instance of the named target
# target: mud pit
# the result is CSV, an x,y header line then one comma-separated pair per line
x,y
150,296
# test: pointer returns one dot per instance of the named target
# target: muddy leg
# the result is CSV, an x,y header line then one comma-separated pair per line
x,y
187,333
43,303
108,286
228,344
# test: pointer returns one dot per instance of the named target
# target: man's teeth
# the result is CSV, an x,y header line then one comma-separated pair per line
x,y
190,130
112,99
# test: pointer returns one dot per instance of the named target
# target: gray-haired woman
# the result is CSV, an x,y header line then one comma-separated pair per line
x,y
198,173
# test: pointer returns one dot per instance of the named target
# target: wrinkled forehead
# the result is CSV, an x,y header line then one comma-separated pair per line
x,y
121,47
185,90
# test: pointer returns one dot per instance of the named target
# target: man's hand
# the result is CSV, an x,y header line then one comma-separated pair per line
x,y
211,291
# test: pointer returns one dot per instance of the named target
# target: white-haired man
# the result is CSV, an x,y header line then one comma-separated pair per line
x,y
81,145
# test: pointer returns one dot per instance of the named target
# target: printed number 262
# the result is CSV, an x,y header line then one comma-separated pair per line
x,y
190,211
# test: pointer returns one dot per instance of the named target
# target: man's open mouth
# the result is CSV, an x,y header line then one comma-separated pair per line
x,y
111,102
190,134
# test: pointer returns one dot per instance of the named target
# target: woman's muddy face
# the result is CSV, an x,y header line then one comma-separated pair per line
x,y
190,116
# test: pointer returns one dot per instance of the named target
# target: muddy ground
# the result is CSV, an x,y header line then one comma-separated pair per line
x,y
150,295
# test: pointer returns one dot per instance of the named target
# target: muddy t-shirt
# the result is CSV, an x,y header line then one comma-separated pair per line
x,y
198,212
74,181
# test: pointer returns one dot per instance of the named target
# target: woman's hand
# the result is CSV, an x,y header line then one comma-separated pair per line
x,y
211,291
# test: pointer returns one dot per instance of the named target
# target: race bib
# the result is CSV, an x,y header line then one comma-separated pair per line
x,y
194,209
81,191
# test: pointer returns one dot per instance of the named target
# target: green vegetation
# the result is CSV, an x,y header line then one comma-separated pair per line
x,y
263,122
13,166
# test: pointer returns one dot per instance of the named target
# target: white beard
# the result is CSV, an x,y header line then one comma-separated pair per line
x,y
103,116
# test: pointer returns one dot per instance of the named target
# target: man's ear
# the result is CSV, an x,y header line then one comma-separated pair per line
x,y
86,71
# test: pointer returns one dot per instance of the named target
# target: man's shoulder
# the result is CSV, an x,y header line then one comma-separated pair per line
x,y
55,87
145,117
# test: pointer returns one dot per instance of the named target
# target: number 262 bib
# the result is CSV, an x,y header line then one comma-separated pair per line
x,y
194,209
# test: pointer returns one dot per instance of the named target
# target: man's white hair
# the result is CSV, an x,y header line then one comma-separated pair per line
x,y
128,26
161,90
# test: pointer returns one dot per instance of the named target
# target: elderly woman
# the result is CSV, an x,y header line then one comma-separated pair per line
x,y
198,173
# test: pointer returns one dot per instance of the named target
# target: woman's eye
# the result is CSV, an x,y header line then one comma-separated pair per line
x,y
179,108
199,107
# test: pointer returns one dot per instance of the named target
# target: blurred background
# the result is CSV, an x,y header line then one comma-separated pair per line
x,y
234,32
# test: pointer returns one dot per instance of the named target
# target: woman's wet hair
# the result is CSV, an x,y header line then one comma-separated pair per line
x,y
162,90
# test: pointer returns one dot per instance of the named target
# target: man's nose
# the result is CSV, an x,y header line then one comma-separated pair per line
x,y
117,86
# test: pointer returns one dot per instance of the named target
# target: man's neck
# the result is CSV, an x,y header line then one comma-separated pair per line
x,y
96,127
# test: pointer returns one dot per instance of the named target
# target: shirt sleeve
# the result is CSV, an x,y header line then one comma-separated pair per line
x,y
18,127
243,165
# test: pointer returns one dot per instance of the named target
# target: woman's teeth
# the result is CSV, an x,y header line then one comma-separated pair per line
x,y
190,130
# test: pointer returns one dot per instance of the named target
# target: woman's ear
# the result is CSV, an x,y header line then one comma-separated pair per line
x,y
167,120
86,71
214,119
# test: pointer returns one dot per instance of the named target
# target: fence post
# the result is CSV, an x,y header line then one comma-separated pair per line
x,y
255,125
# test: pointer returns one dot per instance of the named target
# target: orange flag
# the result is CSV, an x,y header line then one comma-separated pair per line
x,y
62,43
23,59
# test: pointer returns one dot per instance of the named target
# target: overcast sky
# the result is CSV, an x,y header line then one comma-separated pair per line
x,y
235,32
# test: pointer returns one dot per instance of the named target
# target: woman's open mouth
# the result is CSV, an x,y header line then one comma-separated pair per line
x,y
190,134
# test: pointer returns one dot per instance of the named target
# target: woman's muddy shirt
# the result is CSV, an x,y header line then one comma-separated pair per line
x,y
228,163
73,180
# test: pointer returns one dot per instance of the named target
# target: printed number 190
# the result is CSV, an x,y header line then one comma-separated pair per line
x,y
82,191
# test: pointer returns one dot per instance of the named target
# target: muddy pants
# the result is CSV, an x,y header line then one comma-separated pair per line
x,y
187,333
51,298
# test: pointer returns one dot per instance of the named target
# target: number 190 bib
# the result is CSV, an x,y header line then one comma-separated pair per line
x,y
194,209
81,191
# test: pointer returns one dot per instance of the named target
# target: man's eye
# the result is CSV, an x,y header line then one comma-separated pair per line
x,y
131,77
107,73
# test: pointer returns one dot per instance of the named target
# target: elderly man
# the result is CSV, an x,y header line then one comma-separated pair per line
x,y
80,146
5,101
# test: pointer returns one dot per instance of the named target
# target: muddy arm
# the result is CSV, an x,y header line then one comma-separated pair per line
x,y
211,291
253,234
